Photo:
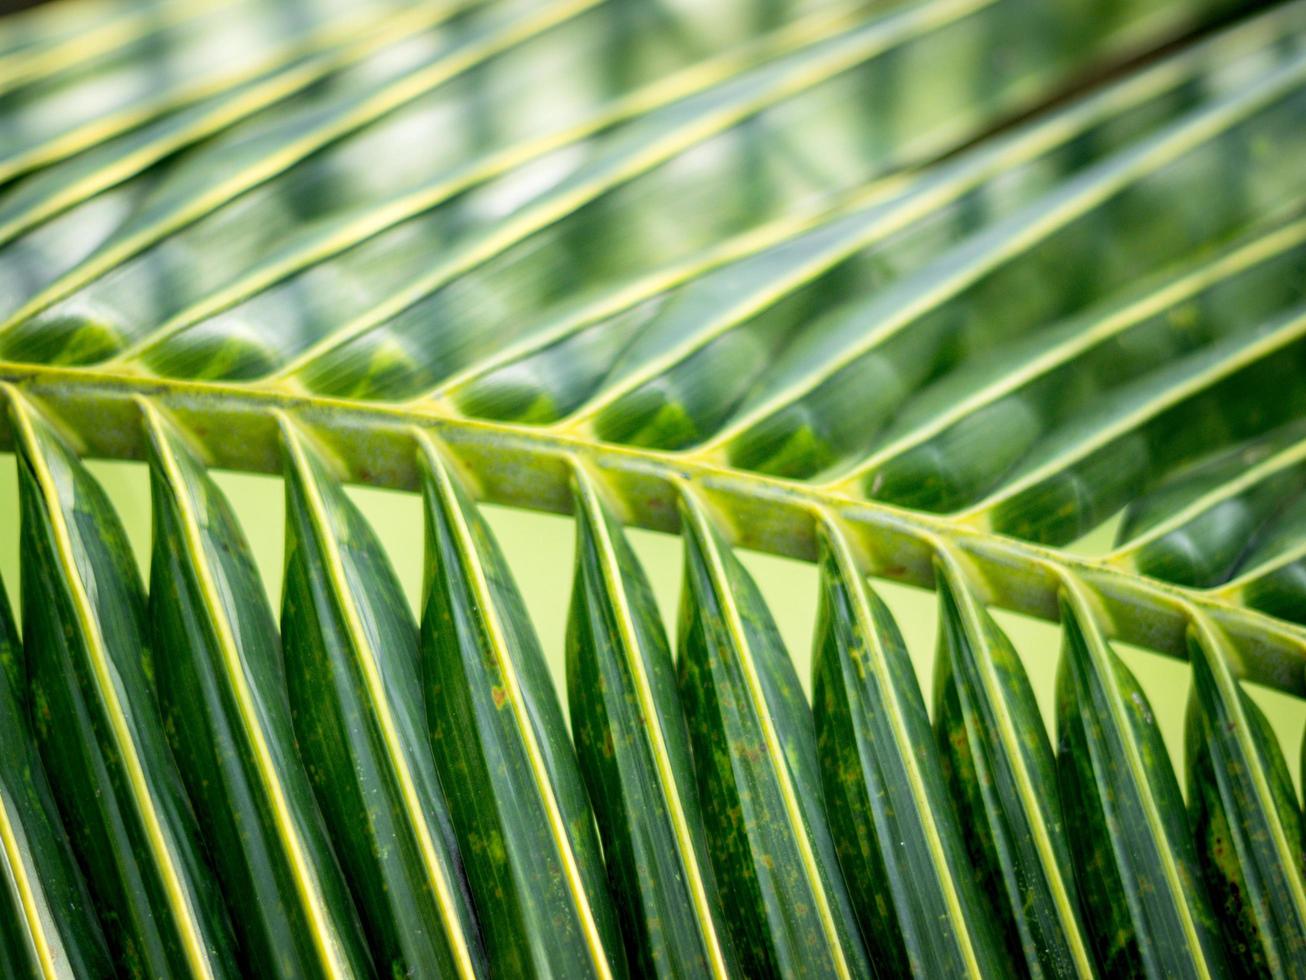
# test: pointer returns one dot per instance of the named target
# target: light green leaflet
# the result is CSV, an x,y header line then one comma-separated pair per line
x,y
55,189
222,688
360,717
215,51
191,192
633,745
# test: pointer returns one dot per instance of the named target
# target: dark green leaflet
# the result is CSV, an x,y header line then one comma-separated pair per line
x,y
1135,862
509,771
221,684
48,926
634,750
351,647
1116,218
1220,395
786,906
1244,816
1000,768
899,843
649,396
100,734
960,436
1195,528
1272,574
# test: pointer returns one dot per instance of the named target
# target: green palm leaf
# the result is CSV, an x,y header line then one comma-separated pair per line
x,y
924,290
353,677
50,926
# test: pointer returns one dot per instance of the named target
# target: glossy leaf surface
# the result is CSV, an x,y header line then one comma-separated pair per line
x,y
633,745
91,693
515,789
1245,817
899,843
787,909
354,684
1002,774
48,923
1134,856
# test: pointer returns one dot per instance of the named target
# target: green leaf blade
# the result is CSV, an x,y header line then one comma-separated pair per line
x,y
221,685
48,925
353,678
514,787
97,726
1245,816
787,908
899,841
633,746
1000,768
1141,885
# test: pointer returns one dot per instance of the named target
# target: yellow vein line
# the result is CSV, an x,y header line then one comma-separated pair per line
x,y
346,604
587,494
115,122
623,166
1211,638
383,100
1288,556
632,293
488,608
693,509
54,54
260,94
25,889
1021,232
386,215
1268,468
176,891
322,930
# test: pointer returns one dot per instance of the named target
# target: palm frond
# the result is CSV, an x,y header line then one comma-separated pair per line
x,y
923,291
